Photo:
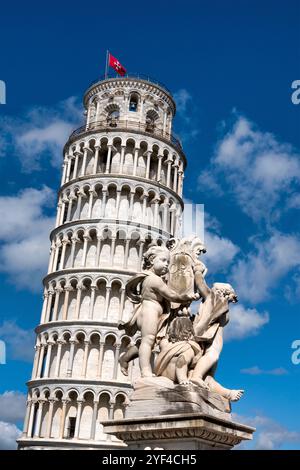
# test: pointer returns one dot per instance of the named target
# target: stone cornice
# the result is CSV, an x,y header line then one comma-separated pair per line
x,y
89,270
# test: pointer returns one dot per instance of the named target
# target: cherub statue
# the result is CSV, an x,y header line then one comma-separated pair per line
x,y
178,351
208,326
153,307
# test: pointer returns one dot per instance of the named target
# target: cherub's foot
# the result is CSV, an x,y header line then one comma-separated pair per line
x,y
200,383
123,364
147,373
235,395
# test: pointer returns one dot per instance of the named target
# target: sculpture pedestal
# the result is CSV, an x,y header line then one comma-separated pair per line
x,y
165,416
193,431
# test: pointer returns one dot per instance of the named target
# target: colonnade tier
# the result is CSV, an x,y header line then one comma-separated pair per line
x,y
119,201
85,298
72,412
75,353
124,156
88,246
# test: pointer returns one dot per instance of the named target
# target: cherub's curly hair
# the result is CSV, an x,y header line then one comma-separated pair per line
x,y
180,329
151,253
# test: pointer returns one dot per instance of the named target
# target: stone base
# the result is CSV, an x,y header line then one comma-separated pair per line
x,y
165,416
194,431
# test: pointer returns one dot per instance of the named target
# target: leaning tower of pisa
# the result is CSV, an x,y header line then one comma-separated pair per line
x,y
121,189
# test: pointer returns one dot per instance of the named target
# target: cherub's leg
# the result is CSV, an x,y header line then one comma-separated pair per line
x,y
145,351
209,359
182,364
214,386
126,357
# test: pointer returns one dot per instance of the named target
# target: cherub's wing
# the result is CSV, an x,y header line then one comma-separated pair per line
x,y
132,287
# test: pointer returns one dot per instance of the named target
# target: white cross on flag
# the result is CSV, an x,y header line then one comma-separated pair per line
x,y
115,64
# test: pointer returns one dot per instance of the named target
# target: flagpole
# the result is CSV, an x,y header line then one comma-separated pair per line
x,y
106,64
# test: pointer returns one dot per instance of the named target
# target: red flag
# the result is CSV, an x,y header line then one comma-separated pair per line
x,y
115,64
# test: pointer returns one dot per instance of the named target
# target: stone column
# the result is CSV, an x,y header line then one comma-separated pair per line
x,y
44,309
169,163
69,209
49,305
94,420
100,359
57,247
59,206
68,169
74,240
85,358
58,290
122,158
158,176
92,194
122,302
92,301
50,417
41,359
144,196
107,298
175,176
180,178
148,163
63,253
83,168
76,165
58,358
63,418
31,417
103,207
141,247
166,216
48,358
78,418
117,355
26,420
96,160
130,211
126,253
72,343
52,253
64,172
98,250
80,195
39,418
118,203
78,300
86,239
107,168
135,161
112,250
67,290
36,361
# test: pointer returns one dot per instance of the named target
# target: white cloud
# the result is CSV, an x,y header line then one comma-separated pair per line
x,y
260,271
19,342
24,236
255,370
186,112
269,435
220,252
255,168
39,136
12,406
244,322
182,98
9,433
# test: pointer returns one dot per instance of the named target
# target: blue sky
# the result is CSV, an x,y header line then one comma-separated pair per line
x,y
230,66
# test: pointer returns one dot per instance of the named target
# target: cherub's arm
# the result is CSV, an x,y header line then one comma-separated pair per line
x,y
201,285
167,293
